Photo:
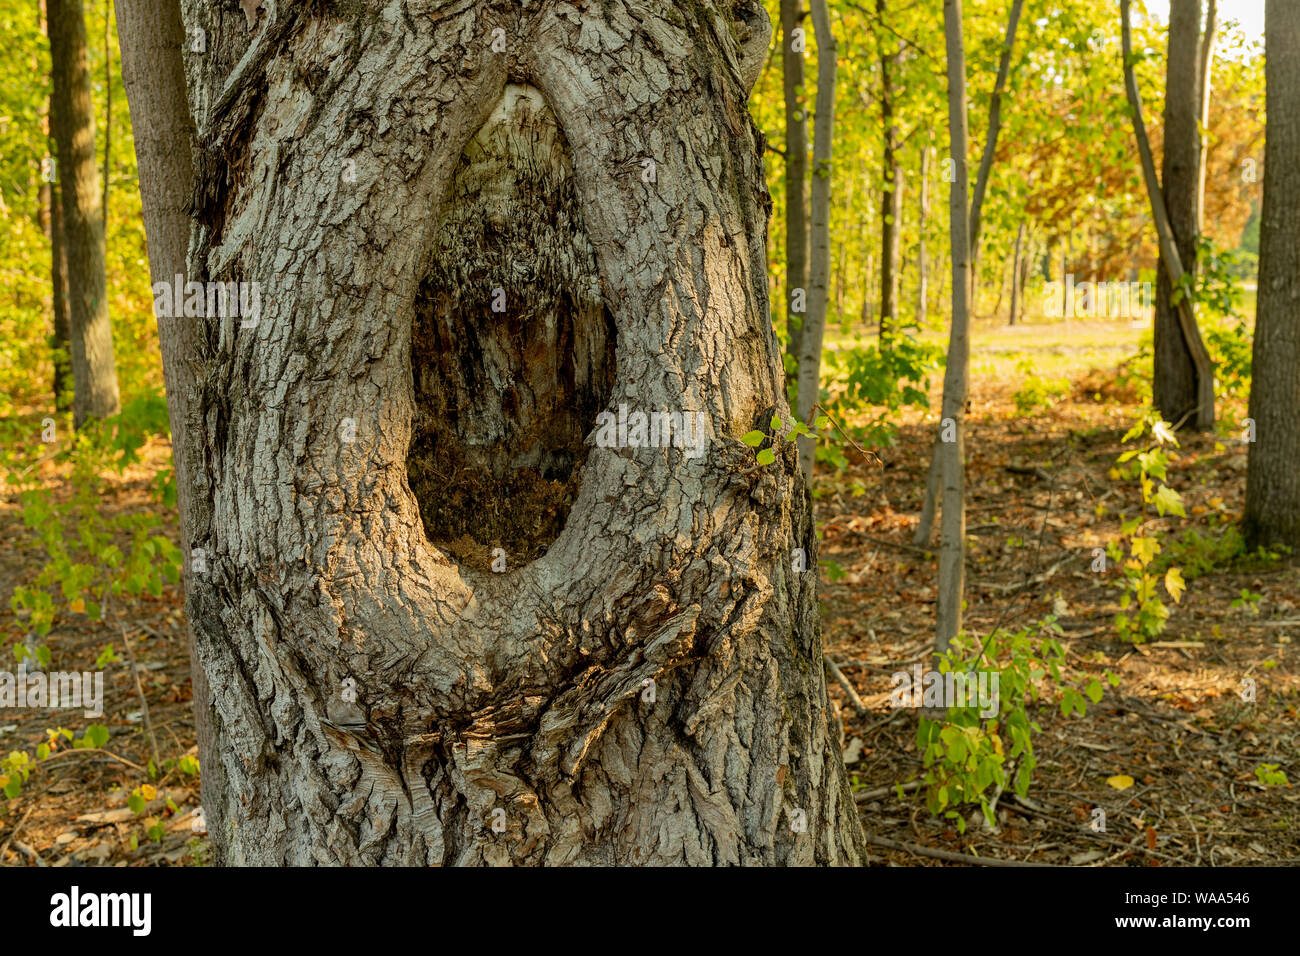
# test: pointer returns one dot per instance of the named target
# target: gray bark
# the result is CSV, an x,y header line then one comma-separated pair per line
x,y
819,269
336,148
1272,513
91,335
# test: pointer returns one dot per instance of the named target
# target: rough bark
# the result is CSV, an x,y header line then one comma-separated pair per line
x,y
1186,335
649,689
91,335
796,173
952,546
151,38
1272,513
819,267
1174,387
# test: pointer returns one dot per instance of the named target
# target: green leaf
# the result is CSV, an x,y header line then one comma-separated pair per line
x,y
753,439
1168,501
1093,690
766,456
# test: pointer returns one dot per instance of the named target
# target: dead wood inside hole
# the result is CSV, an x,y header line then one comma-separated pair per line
x,y
512,350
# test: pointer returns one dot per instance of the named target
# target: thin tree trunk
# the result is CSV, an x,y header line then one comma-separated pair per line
x,y
151,37
52,225
995,127
841,266
1186,334
928,503
1174,388
108,112
626,690
952,547
1016,272
1206,76
93,368
810,360
891,193
923,213
1067,299
868,285
1002,287
839,282
1272,513
61,342
796,174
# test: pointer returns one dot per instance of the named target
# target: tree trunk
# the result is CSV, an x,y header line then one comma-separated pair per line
x,y
952,530
868,277
891,192
1016,271
477,228
1174,386
52,225
839,281
151,38
93,368
1205,74
1272,513
995,127
819,269
1201,413
930,497
793,47
923,213
108,115
61,342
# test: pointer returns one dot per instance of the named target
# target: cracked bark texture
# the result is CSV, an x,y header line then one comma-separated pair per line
x,y
525,692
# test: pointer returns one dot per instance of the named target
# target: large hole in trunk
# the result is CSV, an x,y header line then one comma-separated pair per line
x,y
512,347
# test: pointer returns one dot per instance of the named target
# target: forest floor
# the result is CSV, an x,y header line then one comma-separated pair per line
x,y
1041,498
